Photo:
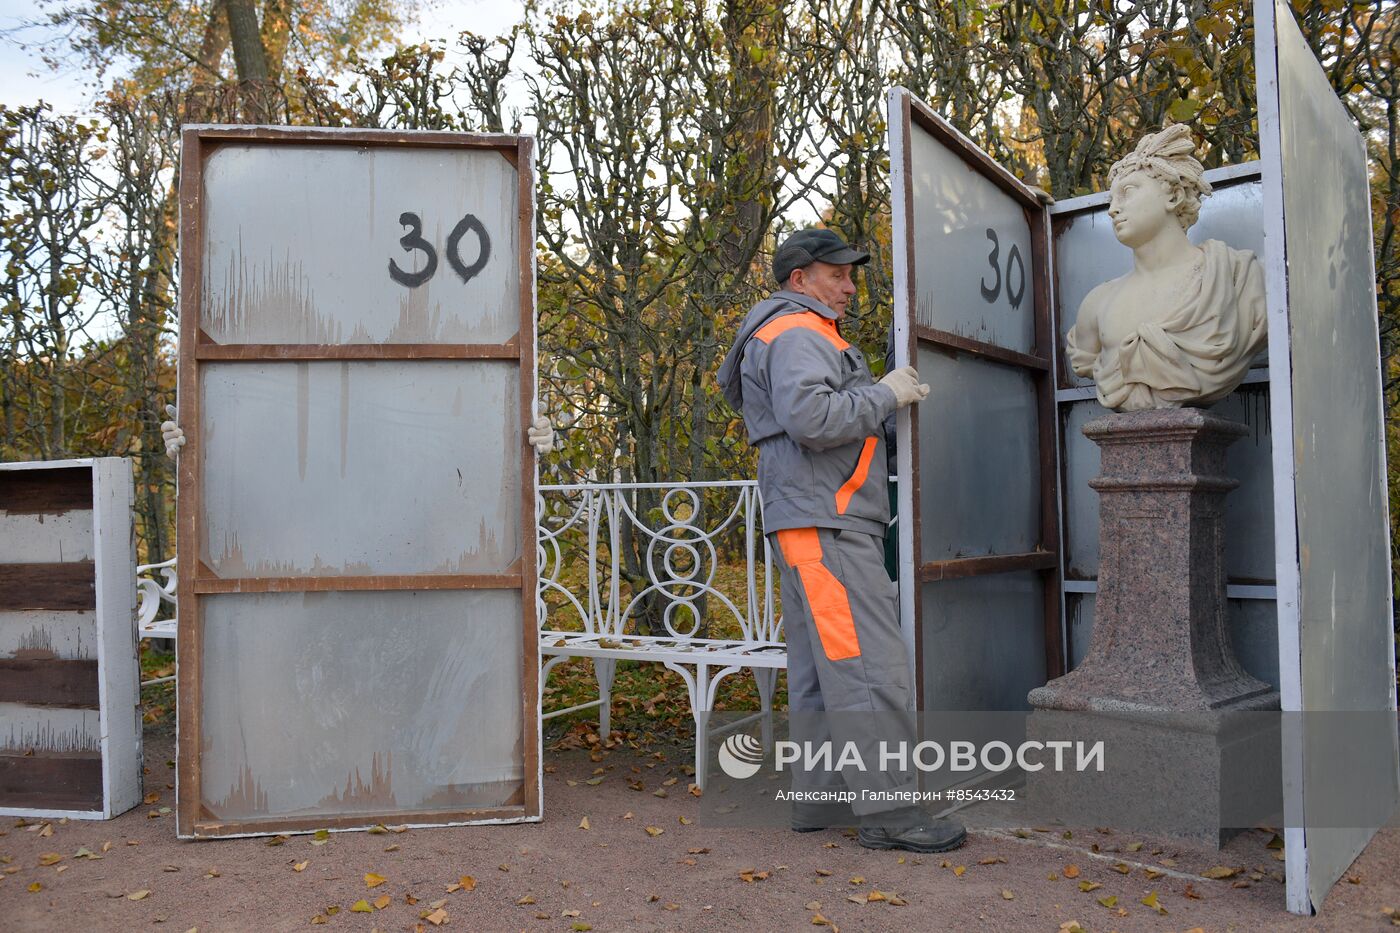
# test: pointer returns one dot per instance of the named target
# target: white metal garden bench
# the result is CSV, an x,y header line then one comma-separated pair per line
x,y
693,532
587,607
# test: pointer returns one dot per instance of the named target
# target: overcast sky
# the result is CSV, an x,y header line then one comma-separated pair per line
x,y
24,78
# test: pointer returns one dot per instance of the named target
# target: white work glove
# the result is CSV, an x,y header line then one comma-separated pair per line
x,y
541,435
172,434
905,384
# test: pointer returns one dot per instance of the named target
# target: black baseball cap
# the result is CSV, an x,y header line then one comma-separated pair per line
x,y
814,245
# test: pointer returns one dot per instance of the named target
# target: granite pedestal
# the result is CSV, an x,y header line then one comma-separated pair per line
x,y
1160,671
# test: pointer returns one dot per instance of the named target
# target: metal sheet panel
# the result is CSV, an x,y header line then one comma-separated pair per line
x,y
1335,615
307,475
360,704
299,242
972,247
979,579
357,480
978,445
983,642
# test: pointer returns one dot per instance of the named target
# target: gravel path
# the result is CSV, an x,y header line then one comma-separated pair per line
x,y
556,876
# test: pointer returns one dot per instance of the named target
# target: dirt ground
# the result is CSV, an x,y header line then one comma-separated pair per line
x,y
617,875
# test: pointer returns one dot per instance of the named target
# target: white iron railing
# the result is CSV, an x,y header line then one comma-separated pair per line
x,y
692,545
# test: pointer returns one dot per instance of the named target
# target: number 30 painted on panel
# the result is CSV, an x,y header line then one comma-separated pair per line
x,y
990,293
413,240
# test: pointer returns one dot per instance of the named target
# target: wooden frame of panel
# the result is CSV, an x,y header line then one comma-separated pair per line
x,y
908,112
198,143
83,786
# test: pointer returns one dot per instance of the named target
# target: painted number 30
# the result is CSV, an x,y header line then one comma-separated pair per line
x,y
1014,293
413,240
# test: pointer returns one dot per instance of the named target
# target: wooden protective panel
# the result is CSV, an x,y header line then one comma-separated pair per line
x,y
242,325
1021,345
69,729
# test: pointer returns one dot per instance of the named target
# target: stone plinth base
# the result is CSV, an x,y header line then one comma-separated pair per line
x,y
1159,641
1203,777
1160,681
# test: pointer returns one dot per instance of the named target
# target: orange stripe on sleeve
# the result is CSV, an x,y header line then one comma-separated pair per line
x,y
807,320
857,480
827,598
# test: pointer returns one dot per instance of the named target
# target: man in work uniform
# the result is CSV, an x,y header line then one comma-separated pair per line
x,y
817,418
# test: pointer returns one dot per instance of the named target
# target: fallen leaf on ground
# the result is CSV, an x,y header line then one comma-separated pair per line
x,y
1110,901
301,866
823,872
1072,871
437,918
35,888
1151,901
992,860
140,895
819,921
685,820
1087,886
392,848
1122,868
373,881
654,831
583,823
526,900
1007,895
467,882
382,901
1134,846
1220,872
580,927
50,858
858,879
959,870
1190,891
361,907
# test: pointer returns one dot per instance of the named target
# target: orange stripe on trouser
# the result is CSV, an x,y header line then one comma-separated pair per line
x,y
857,480
826,597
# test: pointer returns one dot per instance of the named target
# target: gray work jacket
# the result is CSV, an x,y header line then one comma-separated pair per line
x,y
815,414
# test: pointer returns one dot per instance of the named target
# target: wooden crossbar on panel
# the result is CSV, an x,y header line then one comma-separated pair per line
x,y
196,580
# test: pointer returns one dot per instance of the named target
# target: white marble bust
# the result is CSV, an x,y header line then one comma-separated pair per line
x,y
1181,328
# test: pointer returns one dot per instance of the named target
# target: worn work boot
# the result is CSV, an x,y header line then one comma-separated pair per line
x,y
910,829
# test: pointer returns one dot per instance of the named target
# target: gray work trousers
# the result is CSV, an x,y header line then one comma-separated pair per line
x,y
848,667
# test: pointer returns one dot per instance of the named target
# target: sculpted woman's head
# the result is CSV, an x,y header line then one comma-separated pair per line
x,y
1162,174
